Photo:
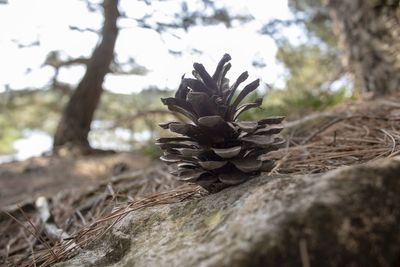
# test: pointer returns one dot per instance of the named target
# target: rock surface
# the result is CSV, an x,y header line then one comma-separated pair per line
x,y
348,217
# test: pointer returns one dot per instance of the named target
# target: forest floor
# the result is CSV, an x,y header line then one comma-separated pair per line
x,y
22,182
73,195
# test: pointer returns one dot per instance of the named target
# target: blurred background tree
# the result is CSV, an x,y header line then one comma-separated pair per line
x,y
74,127
369,34
348,48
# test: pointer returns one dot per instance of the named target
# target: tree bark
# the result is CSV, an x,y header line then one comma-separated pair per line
x,y
74,126
369,36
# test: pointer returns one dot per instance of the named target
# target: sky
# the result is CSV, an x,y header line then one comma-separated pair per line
x,y
23,22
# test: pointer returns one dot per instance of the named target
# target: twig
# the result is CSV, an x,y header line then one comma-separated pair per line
x,y
323,128
391,137
37,234
305,258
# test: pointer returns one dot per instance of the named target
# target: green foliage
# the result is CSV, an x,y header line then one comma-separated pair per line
x,y
309,68
120,108
286,103
32,109
310,75
315,19
151,151
138,113
8,135
41,109
312,65
27,109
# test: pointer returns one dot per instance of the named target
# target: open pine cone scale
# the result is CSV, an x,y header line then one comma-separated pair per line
x,y
215,150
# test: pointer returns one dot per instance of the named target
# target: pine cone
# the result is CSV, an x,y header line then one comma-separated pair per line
x,y
216,150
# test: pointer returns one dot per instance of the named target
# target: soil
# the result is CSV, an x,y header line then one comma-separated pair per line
x,y
22,182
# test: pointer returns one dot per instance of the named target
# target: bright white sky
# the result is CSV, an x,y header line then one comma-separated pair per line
x,y
26,21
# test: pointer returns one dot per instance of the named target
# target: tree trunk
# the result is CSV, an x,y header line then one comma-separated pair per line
x,y
74,127
369,36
